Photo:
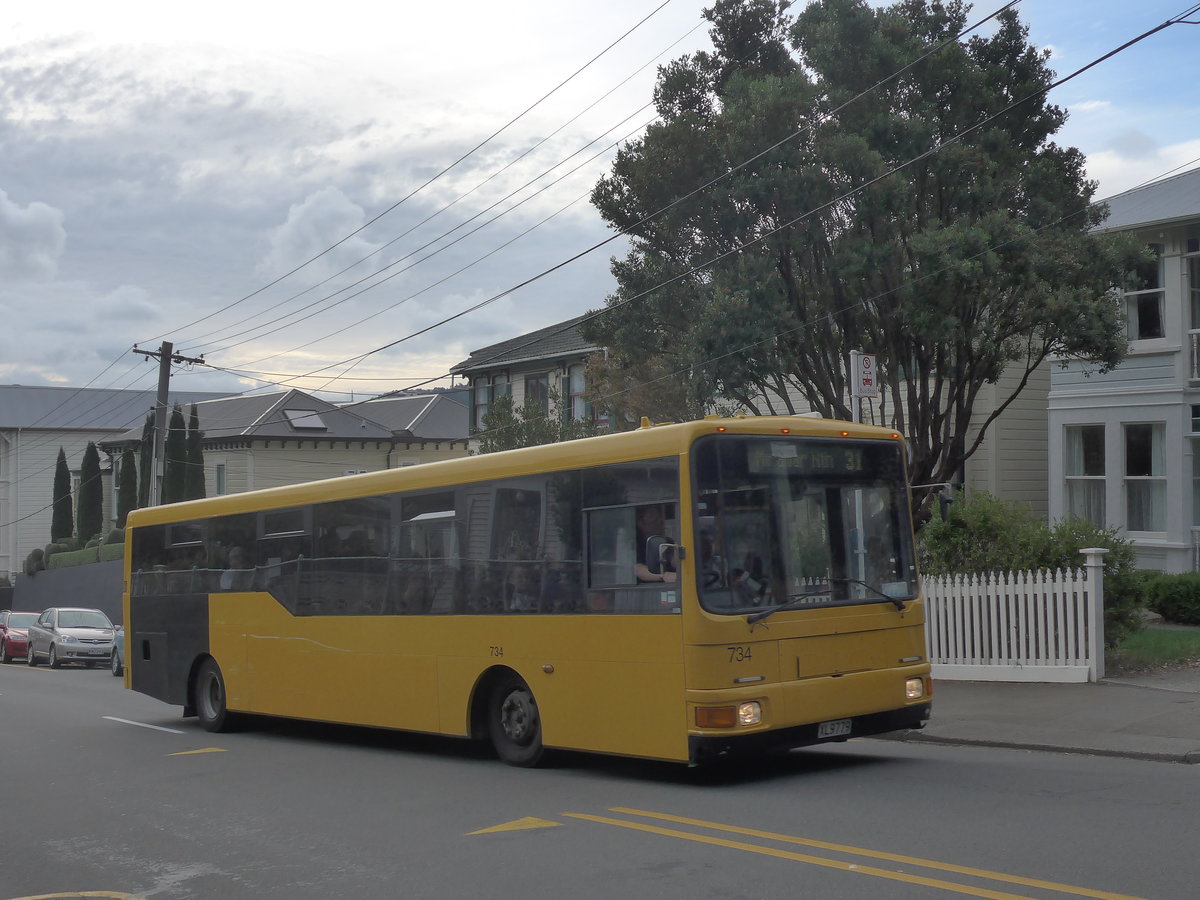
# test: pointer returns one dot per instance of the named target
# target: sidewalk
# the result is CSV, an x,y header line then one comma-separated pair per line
x,y
1154,716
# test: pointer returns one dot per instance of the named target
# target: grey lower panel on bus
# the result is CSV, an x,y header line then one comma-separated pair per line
x,y
706,749
159,667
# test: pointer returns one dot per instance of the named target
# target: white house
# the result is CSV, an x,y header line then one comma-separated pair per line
x,y
290,437
529,366
34,423
1122,445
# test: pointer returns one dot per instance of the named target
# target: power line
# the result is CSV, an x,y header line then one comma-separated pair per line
x,y
433,178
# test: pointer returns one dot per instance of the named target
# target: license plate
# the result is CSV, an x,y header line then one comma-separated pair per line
x,y
836,728
96,651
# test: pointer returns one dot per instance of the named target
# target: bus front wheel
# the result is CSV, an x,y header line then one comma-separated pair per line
x,y
209,698
514,724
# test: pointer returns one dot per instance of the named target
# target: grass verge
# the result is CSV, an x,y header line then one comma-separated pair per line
x,y
1157,647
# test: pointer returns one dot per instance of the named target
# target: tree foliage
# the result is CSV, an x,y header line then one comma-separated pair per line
x,y
194,481
779,220
175,461
146,462
127,486
506,427
90,517
62,519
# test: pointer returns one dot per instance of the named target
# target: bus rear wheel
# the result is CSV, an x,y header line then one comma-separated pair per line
x,y
514,724
208,697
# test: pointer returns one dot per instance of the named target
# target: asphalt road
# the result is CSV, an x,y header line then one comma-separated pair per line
x,y
111,793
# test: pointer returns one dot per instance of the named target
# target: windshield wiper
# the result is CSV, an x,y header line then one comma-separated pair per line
x,y
899,601
792,602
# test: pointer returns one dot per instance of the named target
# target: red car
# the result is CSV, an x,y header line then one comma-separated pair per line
x,y
14,634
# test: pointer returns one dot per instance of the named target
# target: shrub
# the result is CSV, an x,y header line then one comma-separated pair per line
x,y
984,534
35,562
67,558
112,551
116,536
1176,597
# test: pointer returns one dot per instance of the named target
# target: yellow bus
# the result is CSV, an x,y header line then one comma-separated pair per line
x,y
682,592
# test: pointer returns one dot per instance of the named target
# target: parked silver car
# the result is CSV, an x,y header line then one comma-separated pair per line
x,y
117,663
66,634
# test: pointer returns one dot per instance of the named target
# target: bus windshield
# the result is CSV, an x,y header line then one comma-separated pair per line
x,y
801,521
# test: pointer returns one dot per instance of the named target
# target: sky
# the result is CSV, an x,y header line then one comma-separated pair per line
x,y
162,175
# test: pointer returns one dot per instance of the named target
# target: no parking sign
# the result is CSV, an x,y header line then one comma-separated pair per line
x,y
865,381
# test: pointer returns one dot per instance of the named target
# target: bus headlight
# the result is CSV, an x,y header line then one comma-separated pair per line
x,y
744,714
914,688
750,713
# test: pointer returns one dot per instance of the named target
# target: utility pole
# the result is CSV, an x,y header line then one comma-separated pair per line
x,y
165,355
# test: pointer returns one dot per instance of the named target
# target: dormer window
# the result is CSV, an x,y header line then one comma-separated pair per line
x,y
305,420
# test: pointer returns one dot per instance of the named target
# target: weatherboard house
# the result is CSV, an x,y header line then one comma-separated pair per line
x,y
1123,444
35,421
290,437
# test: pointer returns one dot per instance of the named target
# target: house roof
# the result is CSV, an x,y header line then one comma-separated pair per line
x,y
86,409
1160,203
285,414
552,342
440,415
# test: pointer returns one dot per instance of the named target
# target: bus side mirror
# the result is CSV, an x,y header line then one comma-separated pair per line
x,y
657,550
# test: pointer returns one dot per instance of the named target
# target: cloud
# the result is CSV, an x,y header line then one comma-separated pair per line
x,y
31,240
1089,106
314,227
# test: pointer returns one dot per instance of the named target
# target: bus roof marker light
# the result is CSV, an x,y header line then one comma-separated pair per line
x,y
785,431
721,429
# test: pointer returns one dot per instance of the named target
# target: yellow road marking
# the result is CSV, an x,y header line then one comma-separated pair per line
x,y
880,854
202,750
805,858
518,825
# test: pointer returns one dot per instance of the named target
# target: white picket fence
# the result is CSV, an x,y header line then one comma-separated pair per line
x,y
1020,626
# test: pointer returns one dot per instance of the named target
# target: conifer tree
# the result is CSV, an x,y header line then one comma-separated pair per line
x,y
91,495
62,522
127,487
175,462
194,482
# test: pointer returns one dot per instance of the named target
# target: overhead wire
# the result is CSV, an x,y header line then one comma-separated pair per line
x,y
723,176
444,171
443,209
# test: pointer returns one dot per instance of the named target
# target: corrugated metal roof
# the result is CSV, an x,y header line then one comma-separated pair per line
x,y
1163,202
267,416
23,406
552,342
438,415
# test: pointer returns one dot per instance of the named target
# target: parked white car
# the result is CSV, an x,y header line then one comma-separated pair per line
x,y
66,634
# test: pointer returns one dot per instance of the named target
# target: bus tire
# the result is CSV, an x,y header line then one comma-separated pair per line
x,y
208,696
514,724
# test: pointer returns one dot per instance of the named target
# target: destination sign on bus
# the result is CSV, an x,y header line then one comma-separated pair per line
x,y
805,458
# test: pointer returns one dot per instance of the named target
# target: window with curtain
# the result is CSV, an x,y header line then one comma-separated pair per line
x,y
1085,472
1144,299
576,407
1145,477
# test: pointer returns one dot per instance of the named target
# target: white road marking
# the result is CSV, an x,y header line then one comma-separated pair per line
x,y
143,725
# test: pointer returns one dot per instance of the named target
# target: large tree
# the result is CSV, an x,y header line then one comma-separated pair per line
x,y
62,519
871,225
90,517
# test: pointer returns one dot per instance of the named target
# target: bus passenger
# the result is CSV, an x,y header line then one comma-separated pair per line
x,y
650,523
